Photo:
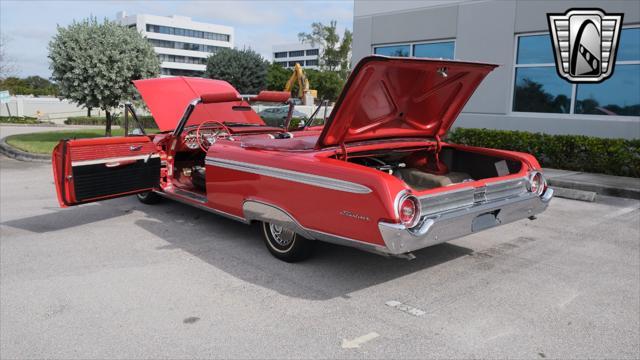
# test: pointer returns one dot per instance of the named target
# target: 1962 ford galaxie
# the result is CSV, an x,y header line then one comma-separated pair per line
x,y
377,176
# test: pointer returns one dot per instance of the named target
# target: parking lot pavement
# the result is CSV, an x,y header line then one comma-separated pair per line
x,y
119,279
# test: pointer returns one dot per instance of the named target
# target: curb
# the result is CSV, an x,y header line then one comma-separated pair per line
x,y
596,188
573,194
10,151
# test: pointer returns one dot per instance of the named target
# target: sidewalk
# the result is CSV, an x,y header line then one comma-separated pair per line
x,y
620,186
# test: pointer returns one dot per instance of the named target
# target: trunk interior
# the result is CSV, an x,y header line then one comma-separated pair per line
x,y
424,169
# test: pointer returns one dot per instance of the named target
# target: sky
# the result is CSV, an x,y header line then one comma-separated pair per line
x,y
28,26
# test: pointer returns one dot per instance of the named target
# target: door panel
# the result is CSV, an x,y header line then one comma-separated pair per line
x,y
89,170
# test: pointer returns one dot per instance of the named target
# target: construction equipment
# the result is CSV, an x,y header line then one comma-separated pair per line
x,y
304,93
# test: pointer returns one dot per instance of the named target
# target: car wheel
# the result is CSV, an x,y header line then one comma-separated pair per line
x,y
285,244
149,198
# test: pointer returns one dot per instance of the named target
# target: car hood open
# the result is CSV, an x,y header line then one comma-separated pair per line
x,y
389,97
167,99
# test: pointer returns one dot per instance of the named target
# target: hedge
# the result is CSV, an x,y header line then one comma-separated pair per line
x,y
18,120
147,121
569,152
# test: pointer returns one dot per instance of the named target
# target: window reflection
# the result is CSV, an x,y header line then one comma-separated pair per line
x,y
434,50
535,49
629,46
395,50
618,95
539,89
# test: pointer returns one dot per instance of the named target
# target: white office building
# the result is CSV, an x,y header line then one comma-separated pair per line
x,y
182,45
305,54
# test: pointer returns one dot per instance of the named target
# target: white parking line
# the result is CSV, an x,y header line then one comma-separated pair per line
x,y
405,308
355,343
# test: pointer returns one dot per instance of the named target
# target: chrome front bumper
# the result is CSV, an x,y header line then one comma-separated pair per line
x,y
448,225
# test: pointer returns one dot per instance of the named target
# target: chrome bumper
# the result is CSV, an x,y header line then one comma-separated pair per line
x,y
448,225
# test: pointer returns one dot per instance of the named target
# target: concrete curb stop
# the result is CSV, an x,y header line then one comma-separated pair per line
x,y
573,194
12,152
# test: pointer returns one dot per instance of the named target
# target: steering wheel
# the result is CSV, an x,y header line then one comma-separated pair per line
x,y
205,141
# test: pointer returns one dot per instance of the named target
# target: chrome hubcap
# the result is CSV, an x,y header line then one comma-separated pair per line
x,y
283,236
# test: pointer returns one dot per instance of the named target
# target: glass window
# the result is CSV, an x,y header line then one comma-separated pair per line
x,y
540,89
434,50
535,49
618,95
292,63
313,52
394,50
281,55
311,62
629,46
296,53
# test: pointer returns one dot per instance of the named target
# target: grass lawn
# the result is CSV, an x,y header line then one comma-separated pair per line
x,y
44,142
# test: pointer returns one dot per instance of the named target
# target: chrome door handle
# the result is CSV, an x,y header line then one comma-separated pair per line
x,y
135,147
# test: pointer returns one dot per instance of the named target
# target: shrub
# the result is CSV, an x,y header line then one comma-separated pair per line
x,y
147,121
569,152
18,120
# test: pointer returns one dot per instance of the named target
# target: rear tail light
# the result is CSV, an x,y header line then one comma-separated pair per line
x,y
409,210
537,183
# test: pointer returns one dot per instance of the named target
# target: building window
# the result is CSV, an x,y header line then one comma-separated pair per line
x,y
437,50
313,52
182,59
293,63
393,50
538,87
280,55
181,72
296,53
188,33
183,46
311,63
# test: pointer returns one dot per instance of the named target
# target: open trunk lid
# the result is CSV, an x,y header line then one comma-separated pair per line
x,y
389,97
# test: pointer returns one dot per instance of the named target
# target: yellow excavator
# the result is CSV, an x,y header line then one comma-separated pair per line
x,y
304,93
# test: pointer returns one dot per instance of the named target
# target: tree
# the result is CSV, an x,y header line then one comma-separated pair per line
x,y
31,85
327,83
94,63
337,53
245,69
277,77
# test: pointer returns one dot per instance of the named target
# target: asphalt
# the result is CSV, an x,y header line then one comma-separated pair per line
x,y
119,279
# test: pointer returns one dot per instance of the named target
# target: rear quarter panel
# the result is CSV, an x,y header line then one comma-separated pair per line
x,y
314,207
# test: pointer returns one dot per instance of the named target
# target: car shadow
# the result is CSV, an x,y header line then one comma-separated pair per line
x,y
238,249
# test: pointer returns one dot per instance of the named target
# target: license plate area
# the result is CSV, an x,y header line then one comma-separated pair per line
x,y
485,221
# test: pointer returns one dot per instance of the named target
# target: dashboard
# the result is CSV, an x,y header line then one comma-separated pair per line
x,y
210,135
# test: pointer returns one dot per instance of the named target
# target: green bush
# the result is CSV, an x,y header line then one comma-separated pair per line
x,y
18,120
147,121
569,152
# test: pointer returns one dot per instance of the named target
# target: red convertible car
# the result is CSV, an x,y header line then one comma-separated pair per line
x,y
377,176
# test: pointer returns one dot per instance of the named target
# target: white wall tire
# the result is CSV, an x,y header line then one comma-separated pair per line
x,y
285,244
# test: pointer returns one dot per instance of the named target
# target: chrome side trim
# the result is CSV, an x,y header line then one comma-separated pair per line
x,y
290,175
200,206
107,160
260,211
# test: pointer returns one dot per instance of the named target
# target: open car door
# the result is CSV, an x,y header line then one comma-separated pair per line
x,y
88,170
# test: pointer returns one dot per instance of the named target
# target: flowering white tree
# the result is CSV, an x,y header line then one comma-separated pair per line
x,y
94,63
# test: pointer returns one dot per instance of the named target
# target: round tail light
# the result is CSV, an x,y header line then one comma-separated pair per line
x,y
538,183
409,211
